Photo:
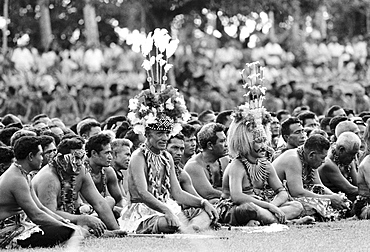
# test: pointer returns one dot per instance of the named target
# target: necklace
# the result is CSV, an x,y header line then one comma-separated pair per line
x,y
258,172
154,161
308,172
344,169
68,194
210,173
23,171
95,177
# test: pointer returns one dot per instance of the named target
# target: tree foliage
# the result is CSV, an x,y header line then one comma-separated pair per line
x,y
346,17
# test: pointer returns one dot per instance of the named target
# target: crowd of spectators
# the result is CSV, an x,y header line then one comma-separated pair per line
x,y
98,81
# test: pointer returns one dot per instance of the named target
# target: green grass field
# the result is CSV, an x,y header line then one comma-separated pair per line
x,y
331,236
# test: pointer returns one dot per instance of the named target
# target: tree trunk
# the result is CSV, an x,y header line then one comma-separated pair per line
x,y
91,26
321,22
45,25
272,33
368,18
296,39
5,28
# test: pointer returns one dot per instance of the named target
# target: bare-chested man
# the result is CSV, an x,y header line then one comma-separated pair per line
x,y
176,147
190,141
99,153
362,202
17,198
338,173
152,182
207,167
59,183
250,177
121,152
298,167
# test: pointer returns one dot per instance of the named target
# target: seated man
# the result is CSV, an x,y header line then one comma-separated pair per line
x,y
338,173
59,183
49,149
293,134
298,167
206,168
20,199
99,153
309,119
250,178
361,205
6,158
121,152
176,147
190,141
152,182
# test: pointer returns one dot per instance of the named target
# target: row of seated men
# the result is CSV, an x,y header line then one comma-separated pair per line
x,y
90,180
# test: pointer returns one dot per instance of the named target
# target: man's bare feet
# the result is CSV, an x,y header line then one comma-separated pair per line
x,y
302,220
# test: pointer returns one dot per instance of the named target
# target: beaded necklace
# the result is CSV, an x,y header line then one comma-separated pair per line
x,y
308,173
210,173
344,169
68,194
155,162
23,171
103,178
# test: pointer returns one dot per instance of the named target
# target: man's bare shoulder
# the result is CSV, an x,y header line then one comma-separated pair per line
x,y
365,164
137,155
193,163
11,177
286,160
235,168
46,178
328,165
46,174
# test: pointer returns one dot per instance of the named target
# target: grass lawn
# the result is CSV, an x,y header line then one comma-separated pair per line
x,y
331,236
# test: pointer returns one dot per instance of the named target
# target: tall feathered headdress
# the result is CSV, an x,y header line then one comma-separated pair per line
x,y
252,112
161,107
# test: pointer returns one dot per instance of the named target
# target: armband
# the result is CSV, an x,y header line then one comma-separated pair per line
x,y
280,189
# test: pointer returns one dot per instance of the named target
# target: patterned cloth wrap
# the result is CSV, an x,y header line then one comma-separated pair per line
x,y
360,204
139,218
234,215
15,228
321,208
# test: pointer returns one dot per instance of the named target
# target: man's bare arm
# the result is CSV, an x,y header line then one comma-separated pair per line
x,y
365,166
22,195
93,197
139,184
113,187
293,174
334,175
275,183
187,184
236,175
200,181
47,193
